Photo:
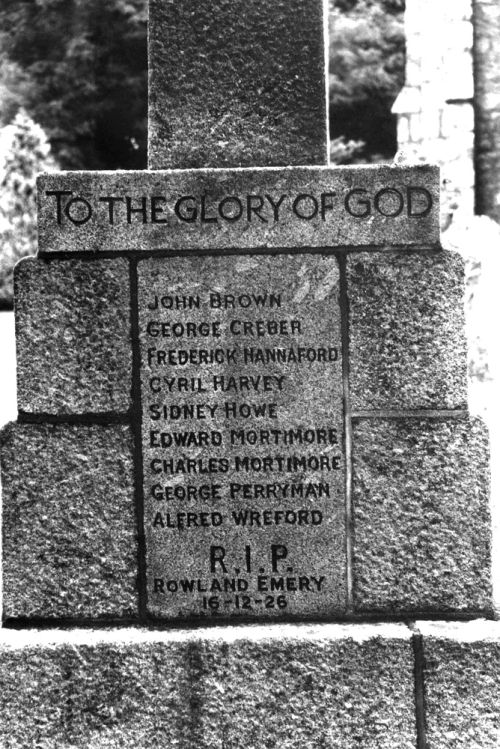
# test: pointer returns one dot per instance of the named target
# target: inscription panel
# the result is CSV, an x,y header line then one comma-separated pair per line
x,y
226,209
242,431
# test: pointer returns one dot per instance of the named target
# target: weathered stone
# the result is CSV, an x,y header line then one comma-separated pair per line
x,y
255,435
74,352
241,208
236,83
462,684
294,687
421,517
69,536
407,345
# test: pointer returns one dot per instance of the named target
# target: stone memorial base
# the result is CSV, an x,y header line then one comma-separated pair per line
x,y
242,397
380,686
87,522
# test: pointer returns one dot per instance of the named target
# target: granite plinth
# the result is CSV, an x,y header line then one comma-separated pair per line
x,y
242,430
69,528
462,684
222,209
293,687
239,83
73,340
422,527
407,345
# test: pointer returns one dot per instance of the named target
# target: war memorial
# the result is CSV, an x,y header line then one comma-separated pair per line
x,y
244,503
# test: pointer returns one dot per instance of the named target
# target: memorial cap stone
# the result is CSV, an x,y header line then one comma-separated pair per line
x,y
219,210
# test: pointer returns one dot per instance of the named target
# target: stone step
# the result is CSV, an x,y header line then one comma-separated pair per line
x,y
293,686
461,675
274,686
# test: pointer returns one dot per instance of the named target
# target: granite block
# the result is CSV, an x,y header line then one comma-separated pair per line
x,y
69,529
288,687
406,330
74,352
462,684
242,433
422,533
223,209
236,83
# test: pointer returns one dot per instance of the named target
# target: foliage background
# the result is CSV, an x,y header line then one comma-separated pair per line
x,y
366,73
24,151
79,69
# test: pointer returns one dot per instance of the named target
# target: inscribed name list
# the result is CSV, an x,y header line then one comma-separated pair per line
x,y
242,435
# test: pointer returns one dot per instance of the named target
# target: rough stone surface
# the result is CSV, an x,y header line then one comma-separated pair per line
x,y
407,345
462,684
264,435
422,532
74,352
287,687
236,83
69,537
220,209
